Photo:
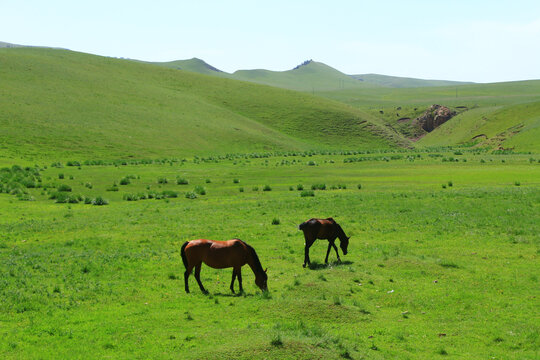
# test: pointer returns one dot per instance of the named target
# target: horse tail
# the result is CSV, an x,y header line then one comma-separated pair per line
x,y
183,254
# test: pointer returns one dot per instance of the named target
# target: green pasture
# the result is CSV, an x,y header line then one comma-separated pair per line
x,y
442,263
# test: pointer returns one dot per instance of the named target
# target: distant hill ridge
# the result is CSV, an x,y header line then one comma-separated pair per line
x,y
309,76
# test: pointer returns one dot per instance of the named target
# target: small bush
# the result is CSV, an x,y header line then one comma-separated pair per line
x,y
306,193
169,194
130,197
88,185
100,201
241,189
311,163
517,183
450,184
162,180
181,181
60,197
318,187
125,181
236,181
191,195
61,176
112,188
208,181
267,188
359,186
255,188
275,221
276,341
200,190
299,187
64,187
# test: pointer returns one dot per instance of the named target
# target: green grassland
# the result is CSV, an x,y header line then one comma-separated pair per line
x,y
442,263
56,103
121,162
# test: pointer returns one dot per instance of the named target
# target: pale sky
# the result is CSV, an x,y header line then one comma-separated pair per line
x,y
468,40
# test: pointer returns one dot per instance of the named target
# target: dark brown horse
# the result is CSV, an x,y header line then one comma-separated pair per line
x,y
323,229
219,255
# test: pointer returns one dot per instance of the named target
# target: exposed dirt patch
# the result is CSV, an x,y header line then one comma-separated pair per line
x,y
434,116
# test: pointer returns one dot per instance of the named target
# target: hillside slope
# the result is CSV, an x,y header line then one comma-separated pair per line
x,y
498,115
404,82
63,104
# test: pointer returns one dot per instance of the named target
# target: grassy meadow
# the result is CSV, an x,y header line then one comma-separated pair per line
x,y
443,257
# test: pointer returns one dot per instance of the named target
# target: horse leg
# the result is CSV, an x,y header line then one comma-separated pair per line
x,y
239,274
186,276
306,251
233,278
337,253
198,277
330,243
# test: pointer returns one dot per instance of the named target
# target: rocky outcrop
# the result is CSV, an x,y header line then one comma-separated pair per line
x,y
435,116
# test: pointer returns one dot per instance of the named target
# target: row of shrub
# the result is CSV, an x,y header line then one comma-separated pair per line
x,y
165,194
260,155
62,197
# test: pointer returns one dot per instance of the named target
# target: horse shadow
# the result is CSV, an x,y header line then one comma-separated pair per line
x,y
231,295
319,266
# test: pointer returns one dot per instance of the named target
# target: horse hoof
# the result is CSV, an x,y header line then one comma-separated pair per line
x,y
304,265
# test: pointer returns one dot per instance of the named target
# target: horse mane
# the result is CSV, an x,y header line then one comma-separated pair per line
x,y
340,233
256,261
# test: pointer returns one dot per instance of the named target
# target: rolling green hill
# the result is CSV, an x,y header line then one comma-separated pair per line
x,y
404,82
58,104
193,65
311,76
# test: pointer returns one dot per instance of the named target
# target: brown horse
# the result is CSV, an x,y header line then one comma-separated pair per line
x,y
323,229
219,255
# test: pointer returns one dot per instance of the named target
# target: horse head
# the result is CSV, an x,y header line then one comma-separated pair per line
x,y
261,280
344,244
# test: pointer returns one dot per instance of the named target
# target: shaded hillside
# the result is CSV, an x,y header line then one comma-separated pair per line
x,y
63,104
